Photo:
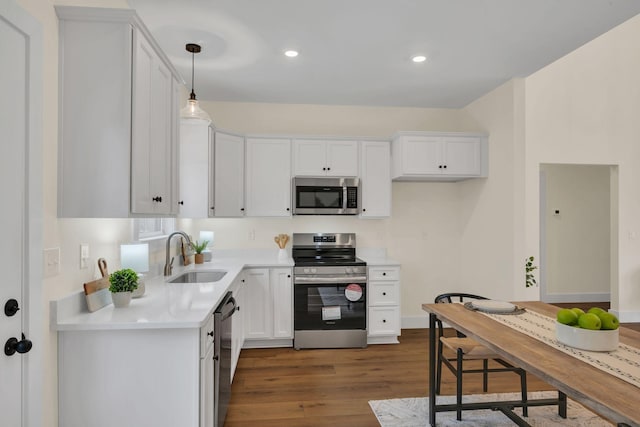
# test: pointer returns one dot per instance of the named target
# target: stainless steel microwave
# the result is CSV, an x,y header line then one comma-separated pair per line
x,y
326,196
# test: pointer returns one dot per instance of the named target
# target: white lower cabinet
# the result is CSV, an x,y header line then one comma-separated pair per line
x,y
383,305
152,377
207,375
237,321
269,301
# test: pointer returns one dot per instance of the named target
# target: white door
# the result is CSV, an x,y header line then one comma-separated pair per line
x,y
20,132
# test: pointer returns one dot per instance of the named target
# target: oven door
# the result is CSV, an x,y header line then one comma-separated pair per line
x,y
330,306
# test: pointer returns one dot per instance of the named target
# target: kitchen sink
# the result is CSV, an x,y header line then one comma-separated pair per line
x,y
199,276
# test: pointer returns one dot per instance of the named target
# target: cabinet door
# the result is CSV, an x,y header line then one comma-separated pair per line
x,y
309,157
375,179
462,156
268,172
228,175
194,169
282,294
342,158
174,176
151,145
258,313
237,322
421,155
207,373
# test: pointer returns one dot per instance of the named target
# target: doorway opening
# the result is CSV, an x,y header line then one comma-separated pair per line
x,y
578,228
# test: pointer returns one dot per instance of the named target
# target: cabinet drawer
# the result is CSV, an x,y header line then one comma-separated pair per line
x,y
384,273
383,293
206,336
384,321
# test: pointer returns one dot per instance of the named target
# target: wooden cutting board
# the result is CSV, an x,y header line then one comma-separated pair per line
x,y
97,291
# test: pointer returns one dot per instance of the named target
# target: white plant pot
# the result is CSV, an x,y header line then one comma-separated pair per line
x,y
121,299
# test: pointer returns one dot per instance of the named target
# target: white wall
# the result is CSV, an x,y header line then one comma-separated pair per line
x,y
584,109
577,238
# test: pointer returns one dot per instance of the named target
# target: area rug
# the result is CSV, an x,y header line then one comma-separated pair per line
x,y
415,412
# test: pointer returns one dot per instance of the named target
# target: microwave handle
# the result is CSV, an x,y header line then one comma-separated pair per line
x,y
344,197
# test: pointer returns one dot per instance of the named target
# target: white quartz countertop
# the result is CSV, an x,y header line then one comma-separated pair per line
x,y
164,305
175,305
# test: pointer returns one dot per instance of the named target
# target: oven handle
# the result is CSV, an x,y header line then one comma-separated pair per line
x,y
298,280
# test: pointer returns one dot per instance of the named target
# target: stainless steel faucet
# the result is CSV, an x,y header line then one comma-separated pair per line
x,y
168,265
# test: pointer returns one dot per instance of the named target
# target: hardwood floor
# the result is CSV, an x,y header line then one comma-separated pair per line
x,y
285,387
288,388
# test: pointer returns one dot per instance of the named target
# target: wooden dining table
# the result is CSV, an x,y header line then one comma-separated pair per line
x,y
609,396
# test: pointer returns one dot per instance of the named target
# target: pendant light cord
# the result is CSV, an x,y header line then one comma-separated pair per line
x,y
193,95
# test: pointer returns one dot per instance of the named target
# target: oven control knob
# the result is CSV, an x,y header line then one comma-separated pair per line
x,y
306,271
349,270
313,270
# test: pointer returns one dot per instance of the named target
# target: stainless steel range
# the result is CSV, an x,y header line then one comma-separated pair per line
x,y
330,291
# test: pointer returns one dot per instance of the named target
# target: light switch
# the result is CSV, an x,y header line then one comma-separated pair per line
x,y
51,260
84,256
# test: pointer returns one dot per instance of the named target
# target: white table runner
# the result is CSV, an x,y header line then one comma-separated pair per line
x,y
623,363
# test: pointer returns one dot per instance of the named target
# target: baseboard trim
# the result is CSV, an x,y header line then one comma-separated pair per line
x,y
627,316
586,297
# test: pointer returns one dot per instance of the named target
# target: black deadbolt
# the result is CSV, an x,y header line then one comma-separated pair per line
x,y
11,307
13,345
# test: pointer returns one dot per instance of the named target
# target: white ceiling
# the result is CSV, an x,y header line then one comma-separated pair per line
x,y
357,52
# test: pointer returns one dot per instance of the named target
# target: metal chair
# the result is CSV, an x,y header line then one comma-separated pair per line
x,y
469,349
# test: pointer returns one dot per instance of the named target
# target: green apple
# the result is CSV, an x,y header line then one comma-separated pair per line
x,y
578,311
566,316
609,321
590,321
596,310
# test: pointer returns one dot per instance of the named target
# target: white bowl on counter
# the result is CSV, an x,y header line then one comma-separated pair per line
x,y
587,339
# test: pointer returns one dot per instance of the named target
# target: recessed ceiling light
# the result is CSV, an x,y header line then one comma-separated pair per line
x,y
291,53
419,58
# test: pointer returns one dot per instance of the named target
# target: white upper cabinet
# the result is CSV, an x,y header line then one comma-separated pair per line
x,y
268,176
424,156
375,179
228,159
153,142
118,121
195,180
316,157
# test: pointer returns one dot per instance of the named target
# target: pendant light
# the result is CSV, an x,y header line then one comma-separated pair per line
x,y
192,110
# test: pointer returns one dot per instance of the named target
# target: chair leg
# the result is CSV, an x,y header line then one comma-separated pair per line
x,y
459,385
485,375
523,388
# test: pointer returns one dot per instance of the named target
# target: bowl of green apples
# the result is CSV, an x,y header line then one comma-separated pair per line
x,y
593,330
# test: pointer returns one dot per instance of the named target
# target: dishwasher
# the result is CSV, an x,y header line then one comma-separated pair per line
x,y
222,357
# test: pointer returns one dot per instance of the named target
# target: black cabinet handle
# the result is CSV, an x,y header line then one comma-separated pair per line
x,y
157,199
445,166
440,167
364,210
328,169
212,207
288,276
210,333
384,273
11,307
242,209
288,209
384,320
384,294
181,202
324,169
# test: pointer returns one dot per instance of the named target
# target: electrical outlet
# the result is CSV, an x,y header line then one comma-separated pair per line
x,y
84,256
252,235
51,261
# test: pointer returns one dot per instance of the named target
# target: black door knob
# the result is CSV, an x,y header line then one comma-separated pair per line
x,y
11,307
13,345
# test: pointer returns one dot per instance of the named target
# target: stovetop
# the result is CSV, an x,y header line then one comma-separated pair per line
x,y
325,249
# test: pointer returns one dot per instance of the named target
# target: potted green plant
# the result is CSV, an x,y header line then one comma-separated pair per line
x,y
122,284
199,247
529,276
